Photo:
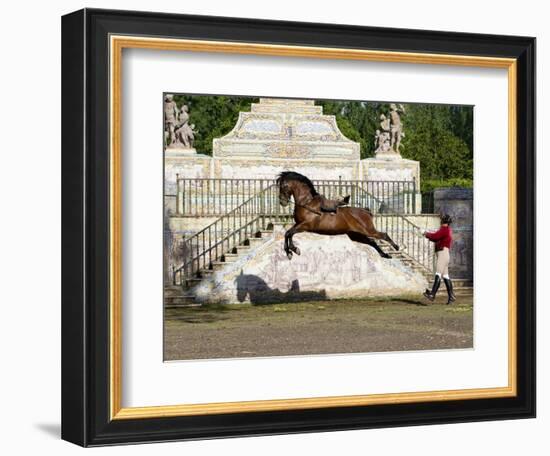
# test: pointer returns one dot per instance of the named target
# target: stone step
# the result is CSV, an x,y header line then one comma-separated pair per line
x,y
190,283
186,299
219,265
172,290
241,249
204,273
285,225
230,257
256,241
404,259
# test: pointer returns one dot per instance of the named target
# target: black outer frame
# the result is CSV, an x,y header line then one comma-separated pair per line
x,y
85,225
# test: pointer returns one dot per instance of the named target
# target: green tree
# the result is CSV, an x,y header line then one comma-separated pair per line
x,y
430,138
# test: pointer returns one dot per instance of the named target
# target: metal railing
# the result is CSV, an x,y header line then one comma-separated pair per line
x,y
247,220
215,197
409,237
229,231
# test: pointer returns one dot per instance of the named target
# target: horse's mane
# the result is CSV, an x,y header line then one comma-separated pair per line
x,y
291,175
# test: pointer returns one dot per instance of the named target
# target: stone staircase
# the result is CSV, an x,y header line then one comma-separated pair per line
x,y
182,296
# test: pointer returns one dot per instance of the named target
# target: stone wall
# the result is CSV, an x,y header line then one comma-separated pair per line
x,y
328,268
459,204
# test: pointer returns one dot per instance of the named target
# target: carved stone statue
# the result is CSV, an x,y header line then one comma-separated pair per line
x,y
382,139
184,115
384,123
388,138
171,118
184,135
396,126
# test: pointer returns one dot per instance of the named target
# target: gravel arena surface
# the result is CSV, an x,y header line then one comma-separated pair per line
x,y
318,327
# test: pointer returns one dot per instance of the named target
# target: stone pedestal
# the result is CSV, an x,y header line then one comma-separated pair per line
x,y
392,167
185,162
180,152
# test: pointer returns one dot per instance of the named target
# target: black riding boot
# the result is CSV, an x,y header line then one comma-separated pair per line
x,y
431,294
450,292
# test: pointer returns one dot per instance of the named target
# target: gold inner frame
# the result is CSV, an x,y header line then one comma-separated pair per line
x,y
117,44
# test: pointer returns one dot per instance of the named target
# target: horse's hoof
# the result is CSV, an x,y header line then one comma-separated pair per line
x,y
386,255
289,255
396,247
297,251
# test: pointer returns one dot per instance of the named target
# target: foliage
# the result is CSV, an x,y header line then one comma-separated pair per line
x,y
440,137
427,185
357,120
432,138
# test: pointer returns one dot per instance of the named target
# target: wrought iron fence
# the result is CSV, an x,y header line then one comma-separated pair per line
x,y
408,236
216,197
237,226
229,231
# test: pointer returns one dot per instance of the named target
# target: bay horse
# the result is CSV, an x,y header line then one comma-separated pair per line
x,y
356,222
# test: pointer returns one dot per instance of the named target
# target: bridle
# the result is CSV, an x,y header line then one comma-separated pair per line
x,y
303,206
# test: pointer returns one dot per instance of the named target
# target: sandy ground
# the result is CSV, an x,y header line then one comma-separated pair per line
x,y
343,326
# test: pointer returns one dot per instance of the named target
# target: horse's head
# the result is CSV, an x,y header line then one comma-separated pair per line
x,y
285,191
294,184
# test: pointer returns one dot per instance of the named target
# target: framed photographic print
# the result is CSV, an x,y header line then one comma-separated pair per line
x,y
275,227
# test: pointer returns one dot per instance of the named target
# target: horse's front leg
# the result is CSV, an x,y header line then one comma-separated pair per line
x,y
289,244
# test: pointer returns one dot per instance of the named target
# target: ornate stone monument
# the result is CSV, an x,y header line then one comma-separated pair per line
x,y
286,134
276,135
283,134
279,135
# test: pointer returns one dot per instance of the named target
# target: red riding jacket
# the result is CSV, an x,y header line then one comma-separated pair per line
x,y
443,237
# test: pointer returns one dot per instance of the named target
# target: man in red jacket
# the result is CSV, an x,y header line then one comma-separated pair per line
x,y
443,239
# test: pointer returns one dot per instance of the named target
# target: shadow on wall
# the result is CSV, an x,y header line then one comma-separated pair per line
x,y
255,288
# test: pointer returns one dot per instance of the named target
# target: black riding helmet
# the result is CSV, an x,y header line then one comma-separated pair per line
x,y
446,218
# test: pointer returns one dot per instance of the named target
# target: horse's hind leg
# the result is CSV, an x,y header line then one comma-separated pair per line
x,y
363,239
366,228
385,237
